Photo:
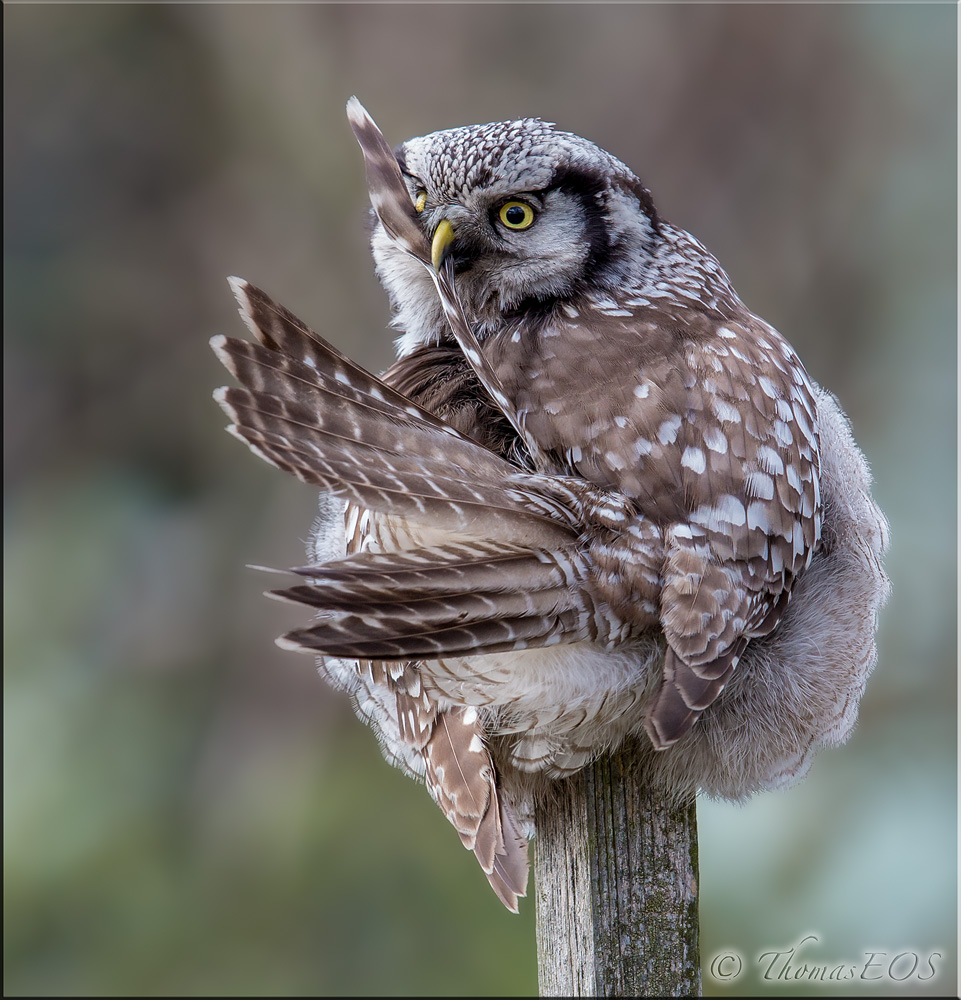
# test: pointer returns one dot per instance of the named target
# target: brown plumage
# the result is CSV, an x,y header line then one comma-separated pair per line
x,y
594,497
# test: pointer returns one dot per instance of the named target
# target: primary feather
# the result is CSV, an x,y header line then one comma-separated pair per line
x,y
594,498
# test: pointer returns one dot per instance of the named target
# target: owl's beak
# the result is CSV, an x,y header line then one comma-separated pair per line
x,y
440,244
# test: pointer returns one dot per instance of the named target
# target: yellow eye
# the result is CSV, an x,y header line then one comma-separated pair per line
x,y
420,201
516,214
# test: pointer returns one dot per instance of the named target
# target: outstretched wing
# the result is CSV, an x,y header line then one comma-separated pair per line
x,y
509,582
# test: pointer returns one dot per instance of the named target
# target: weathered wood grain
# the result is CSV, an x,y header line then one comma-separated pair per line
x,y
616,887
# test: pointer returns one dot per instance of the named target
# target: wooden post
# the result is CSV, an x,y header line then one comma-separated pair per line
x,y
616,886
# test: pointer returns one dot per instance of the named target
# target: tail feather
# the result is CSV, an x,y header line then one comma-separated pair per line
x,y
343,636
428,612
511,868
431,602
461,777
480,566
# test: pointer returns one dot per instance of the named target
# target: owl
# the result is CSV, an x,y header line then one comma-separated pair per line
x,y
595,498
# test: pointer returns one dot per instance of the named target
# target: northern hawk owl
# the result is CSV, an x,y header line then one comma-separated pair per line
x,y
595,497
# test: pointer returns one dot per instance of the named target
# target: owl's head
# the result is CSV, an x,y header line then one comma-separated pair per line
x,y
531,216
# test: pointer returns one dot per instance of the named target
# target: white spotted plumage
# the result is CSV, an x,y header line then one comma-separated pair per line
x,y
595,497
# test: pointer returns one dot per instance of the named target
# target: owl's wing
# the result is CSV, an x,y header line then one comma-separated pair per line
x,y
391,201
516,579
309,411
709,425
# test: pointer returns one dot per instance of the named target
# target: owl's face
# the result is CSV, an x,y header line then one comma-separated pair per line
x,y
537,217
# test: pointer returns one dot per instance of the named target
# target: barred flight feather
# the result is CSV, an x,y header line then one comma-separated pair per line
x,y
594,496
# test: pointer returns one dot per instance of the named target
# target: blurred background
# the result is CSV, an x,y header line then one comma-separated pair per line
x,y
188,809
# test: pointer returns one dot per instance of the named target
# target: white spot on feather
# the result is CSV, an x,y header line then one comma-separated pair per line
x,y
794,479
725,411
759,516
798,539
783,433
727,510
694,459
716,440
667,432
768,387
769,460
761,485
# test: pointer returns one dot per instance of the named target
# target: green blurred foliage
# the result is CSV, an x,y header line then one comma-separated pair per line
x,y
188,810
